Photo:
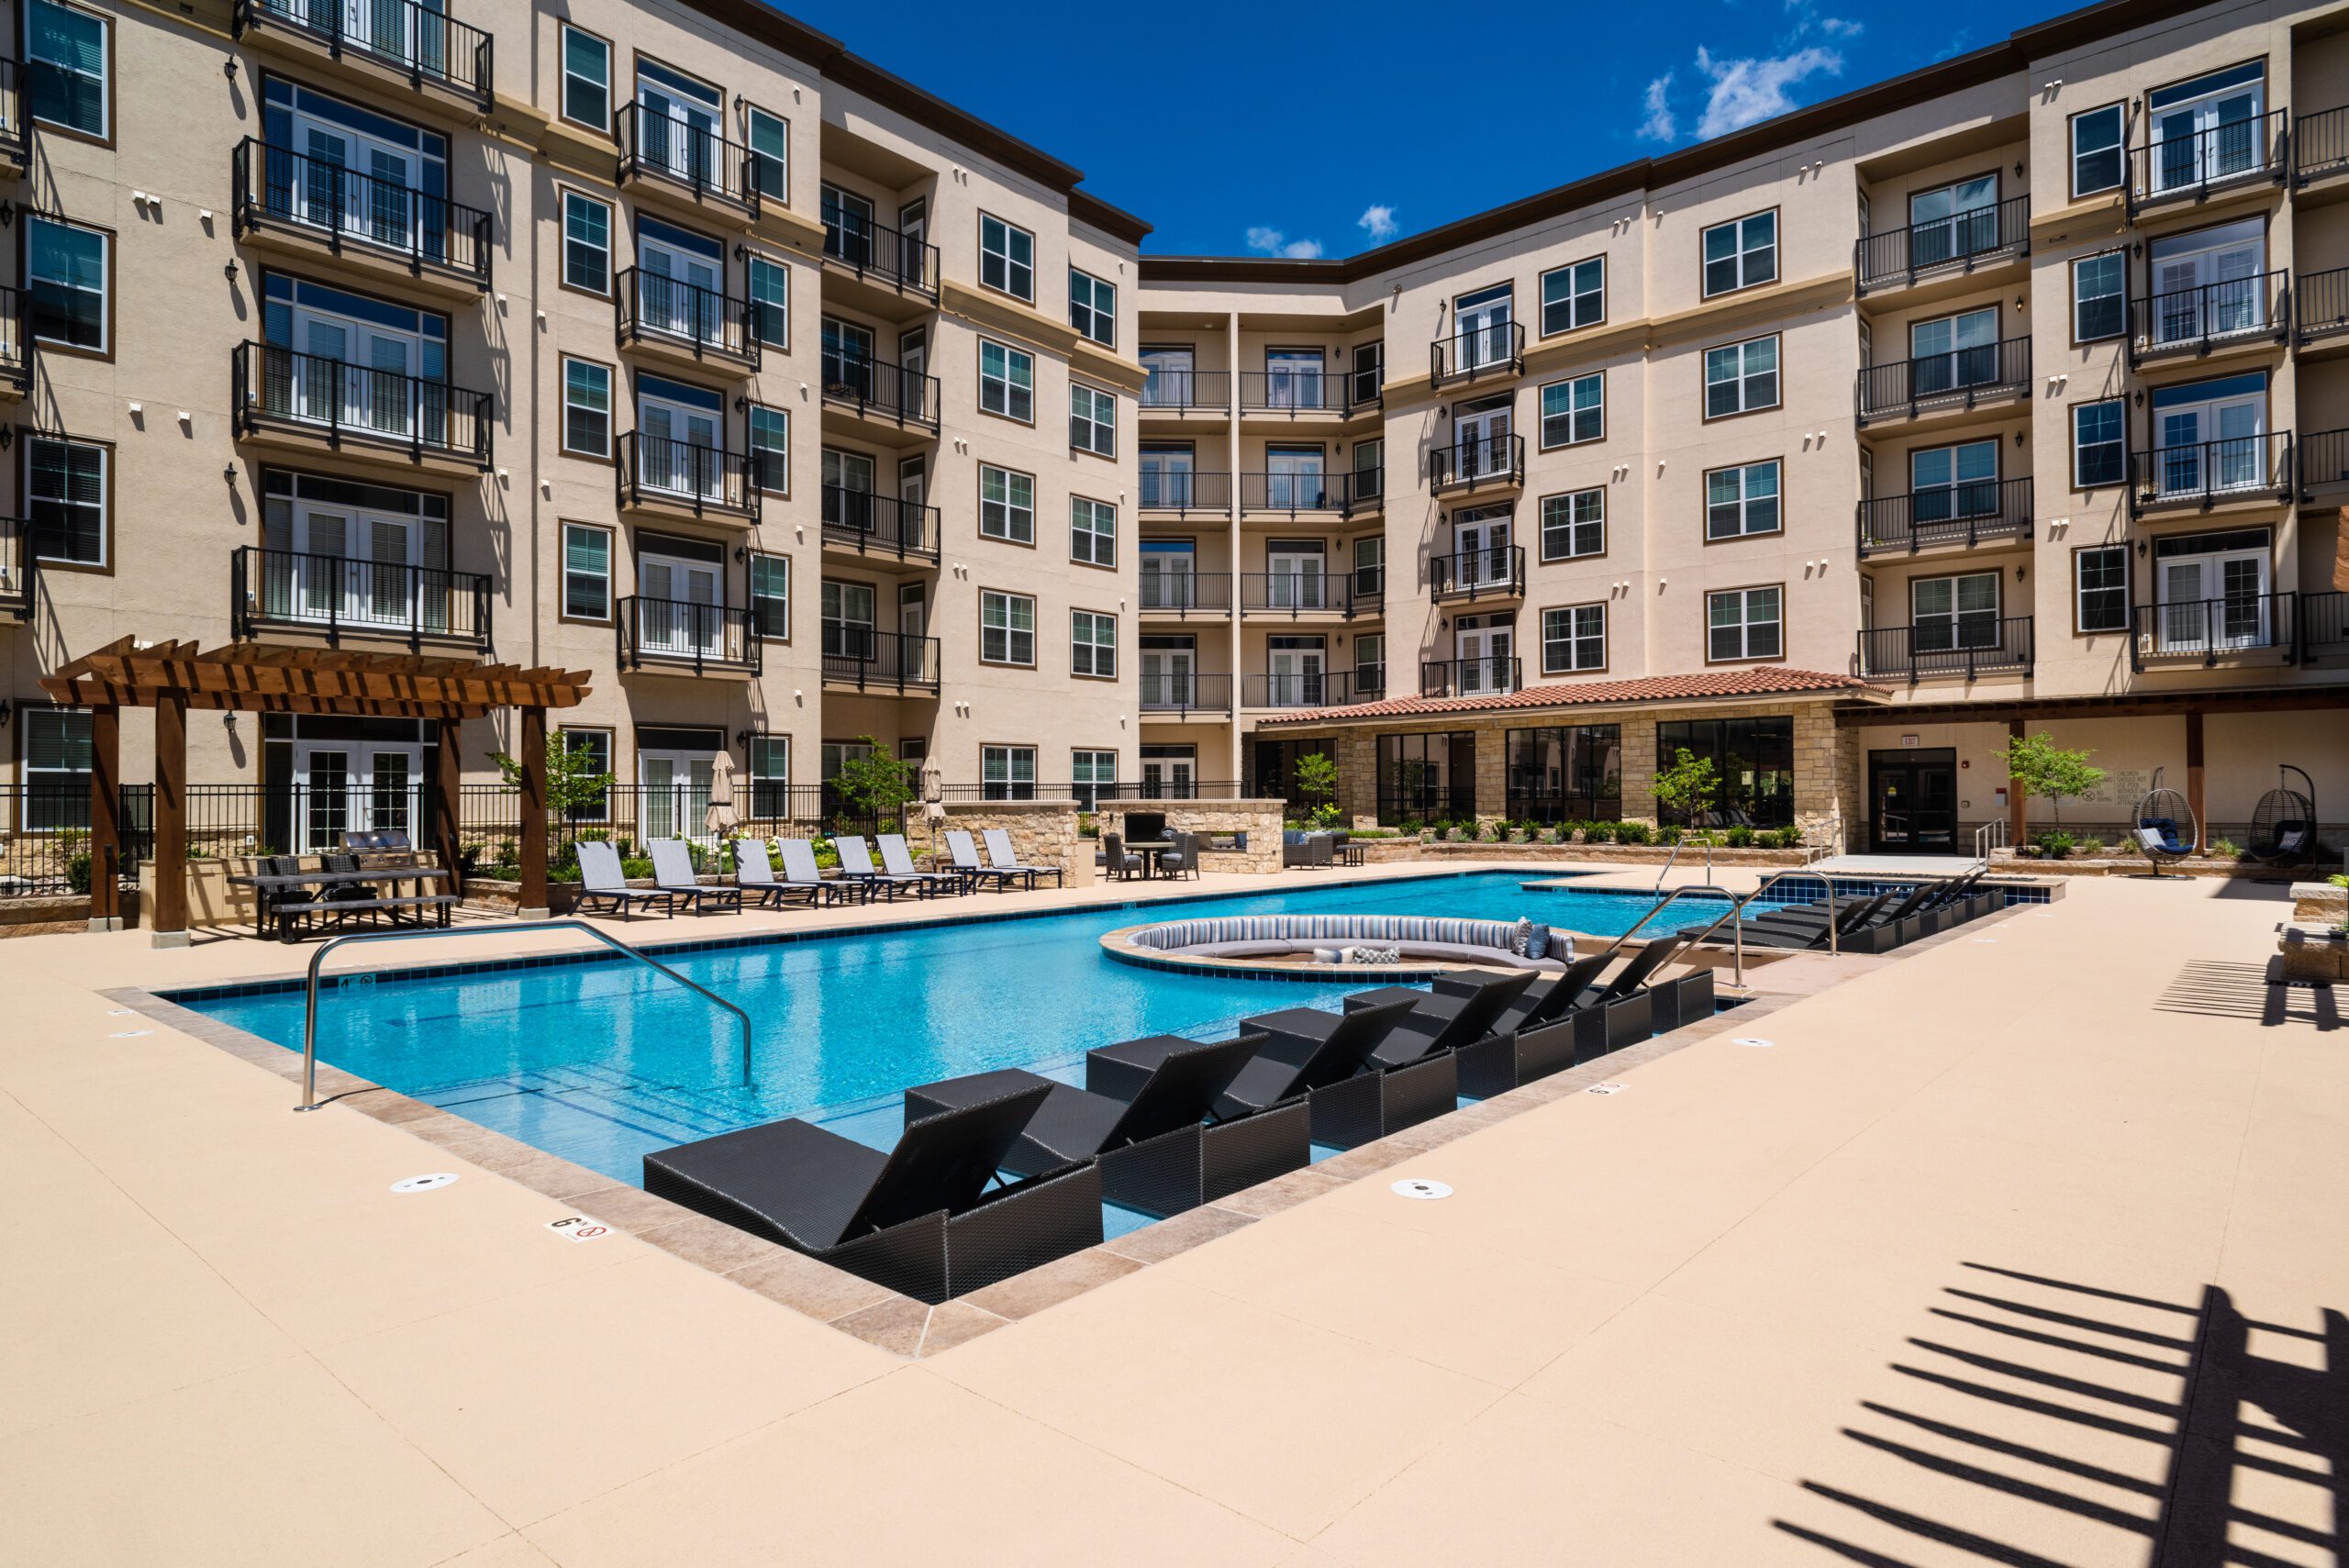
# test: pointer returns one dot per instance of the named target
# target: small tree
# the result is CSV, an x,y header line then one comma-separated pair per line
x,y
2036,765
573,778
874,783
1316,787
1686,789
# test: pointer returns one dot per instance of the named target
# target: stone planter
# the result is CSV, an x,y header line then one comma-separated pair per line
x,y
2316,954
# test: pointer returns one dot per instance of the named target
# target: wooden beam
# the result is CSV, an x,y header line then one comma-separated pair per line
x,y
2139,704
2017,802
171,818
2194,771
533,744
105,814
448,794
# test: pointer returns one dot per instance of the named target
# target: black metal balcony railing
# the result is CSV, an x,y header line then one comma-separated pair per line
x,y
880,390
1496,572
677,634
1964,646
1958,379
2321,145
1164,490
16,343
2322,458
1959,243
2204,473
1294,594
707,323
2196,320
1494,460
2320,304
16,129
1305,688
1491,675
2212,629
2187,167
902,262
1187,390
1965,513
1481,351
1186,594
335,595
278,188
1287,392
1185,691
16,568
657,471
873,524
1293,493
275,388
1370,590
427,47
2323,620
661,147
873,661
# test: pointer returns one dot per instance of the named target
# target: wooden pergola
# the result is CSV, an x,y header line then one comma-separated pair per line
x,y
172,677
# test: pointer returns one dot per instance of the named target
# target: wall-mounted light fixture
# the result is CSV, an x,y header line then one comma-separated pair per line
x,y
230,473
742,738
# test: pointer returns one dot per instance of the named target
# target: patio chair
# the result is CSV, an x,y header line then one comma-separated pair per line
x,y
1002,857
1299,848
1300,1055
899,861
1545,1001
754,879
1183,860
800,870
856,867
287,908
601,881
672,873
1396,1081
1462,1012
920,1219
1118,862
964,851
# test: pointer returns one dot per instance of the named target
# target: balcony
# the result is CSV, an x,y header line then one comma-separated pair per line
x,y
290,201
439,58
676,637
337,598
2195,167
1953,246
2207,630
872,524
1292,494
2321,310
2213,315
1309,688
665,159
1476,354
883,258
2320,147
1370,590
2322,459
1185,494
889,664
15,126
1492,463
1491,676
301,399
1964,514
1186,694
2323,623
1947,650
1177,393
672,478
878,393
2210,473
1940,384
1287,395
1492,574
16,569
1296,594
16,345
685,323
1179,595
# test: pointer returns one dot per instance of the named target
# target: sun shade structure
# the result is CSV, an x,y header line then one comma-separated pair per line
x,y
172,677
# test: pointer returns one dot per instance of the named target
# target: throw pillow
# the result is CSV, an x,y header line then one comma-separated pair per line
x,y
1328,955
1536,942
1373,955
1522,938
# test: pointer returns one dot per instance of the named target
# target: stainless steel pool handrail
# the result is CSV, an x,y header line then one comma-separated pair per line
x,y
310,1004
1735,913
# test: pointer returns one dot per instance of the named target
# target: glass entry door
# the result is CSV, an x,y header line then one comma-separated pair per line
x,y
1293,672
1481,323
1169,772
672,795
2215,602
355,786
1486,651
1912,800
677,612
2207,129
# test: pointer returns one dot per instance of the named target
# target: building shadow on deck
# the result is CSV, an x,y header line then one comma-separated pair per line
x,y
2216,988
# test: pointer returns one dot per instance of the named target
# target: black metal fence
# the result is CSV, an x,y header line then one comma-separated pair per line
x,y
870,660
1291,391
1313,492
2211,630
873,524
1177,389
1187,593
1181,490
1480,350
44,839
1494,573
16,567
2321,145
1491,675
1185,691
334,596
657,470
2202,473
1493,460
16,343
2194,320
681,635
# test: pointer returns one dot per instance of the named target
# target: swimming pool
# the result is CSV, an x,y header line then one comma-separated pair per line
x,y
601,1062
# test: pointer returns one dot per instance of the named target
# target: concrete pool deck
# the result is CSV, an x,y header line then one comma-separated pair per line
x,y
1920,1282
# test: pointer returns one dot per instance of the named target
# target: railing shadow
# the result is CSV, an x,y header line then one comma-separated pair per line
x,y
2216,988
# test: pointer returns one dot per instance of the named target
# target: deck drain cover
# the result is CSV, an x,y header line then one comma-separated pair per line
x,y
424,1183
118,1012
1604,1089
129,1034
1424,1191
1753,1040
1987,942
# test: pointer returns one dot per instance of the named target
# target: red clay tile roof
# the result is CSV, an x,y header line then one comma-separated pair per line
x,y
1711,685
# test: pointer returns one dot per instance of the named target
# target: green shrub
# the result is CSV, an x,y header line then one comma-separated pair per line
x,y
1740,838
2226,849
1599,832
636,866
1633,833
2091,846
1670,833
2055,844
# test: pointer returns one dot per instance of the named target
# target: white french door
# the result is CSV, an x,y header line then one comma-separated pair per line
x,y
1484,653
1293,479
1954,352
677,451
1170,377
1296,576
672,795
1481,324
355,786
1481,434
1294,667
352,184
1167,476
1954,221
355,373
678,291
1292,379
1480,544
676,132
677,608
2209,285
2212,138
1170,772
1169,671
2216,602
2216,445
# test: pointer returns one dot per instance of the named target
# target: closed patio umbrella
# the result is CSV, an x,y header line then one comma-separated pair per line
x,y
933,795
720,817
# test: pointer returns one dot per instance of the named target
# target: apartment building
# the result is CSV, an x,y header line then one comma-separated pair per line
x,y
2001,397
671,343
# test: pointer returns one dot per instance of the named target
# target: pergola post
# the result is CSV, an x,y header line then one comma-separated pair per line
x,y
534,814
448,794
2017,802
2194,774
105,820
171,819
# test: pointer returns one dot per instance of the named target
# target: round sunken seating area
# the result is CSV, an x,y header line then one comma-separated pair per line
x,y
1314,946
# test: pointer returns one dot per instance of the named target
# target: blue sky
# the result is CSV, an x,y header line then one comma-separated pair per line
x,y
1233,125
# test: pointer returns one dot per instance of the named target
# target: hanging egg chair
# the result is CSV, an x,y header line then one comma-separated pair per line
x,y
2167,829
2283,828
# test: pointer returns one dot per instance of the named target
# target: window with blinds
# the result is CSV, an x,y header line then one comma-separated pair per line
x,y
66,493
66,51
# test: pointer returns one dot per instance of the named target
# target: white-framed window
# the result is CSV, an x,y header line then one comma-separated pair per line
x,y
1007,504
586,408
1742,377
770,765
1092,643
1093,308
586,571
768,431
65,486
1007,773
1007,628
1092,421
770,140
1742,252
2100,443
1741,499
1574,411
56,768
1573,295
1574,524
1092,532
1006,381
771,595
596,746
1007,257
67,55
2100,588
1092,771
1744,623
2100,295
65,268
1574,636
1946,614
586,79
2095,150
586,243
769,290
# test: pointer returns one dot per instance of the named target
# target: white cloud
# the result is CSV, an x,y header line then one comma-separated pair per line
x,y
1746,90
1659,126
1378,221
1272,242
1837,28
1807,19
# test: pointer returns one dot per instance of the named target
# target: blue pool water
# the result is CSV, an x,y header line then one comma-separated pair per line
x,y
604,1061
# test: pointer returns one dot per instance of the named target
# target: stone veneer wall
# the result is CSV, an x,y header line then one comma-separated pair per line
x,y
1260,820
1043,832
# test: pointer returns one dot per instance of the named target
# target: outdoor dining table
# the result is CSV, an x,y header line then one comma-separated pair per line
x,y
265,883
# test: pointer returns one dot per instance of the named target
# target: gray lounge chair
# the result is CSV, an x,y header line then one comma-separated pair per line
x,y
601,881
800,870
899,861
856,865
1118,862
1183,860
754,879
672,872
965,853
1002,857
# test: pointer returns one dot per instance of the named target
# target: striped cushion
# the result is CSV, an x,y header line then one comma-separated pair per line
x,y
1326,929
